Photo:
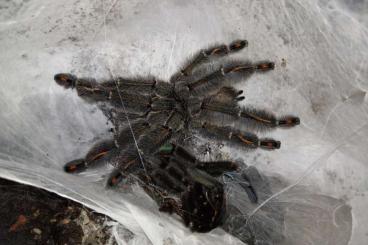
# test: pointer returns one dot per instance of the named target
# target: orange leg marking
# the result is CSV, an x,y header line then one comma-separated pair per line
x,y
239,68
129,164
99,155
22,220
248,142
114,180
237,45
259,118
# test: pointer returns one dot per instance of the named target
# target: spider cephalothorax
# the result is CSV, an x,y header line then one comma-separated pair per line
x,y
152,120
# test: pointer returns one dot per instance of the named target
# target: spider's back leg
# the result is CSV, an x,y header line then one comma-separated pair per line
x,y
107,149
203,203
202,200
185,158
132,158
102,149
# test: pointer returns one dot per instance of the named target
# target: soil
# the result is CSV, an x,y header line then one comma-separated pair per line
x,y
29,215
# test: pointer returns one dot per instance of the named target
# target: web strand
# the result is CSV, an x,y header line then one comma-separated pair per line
x,y
309,170
130,125
121,99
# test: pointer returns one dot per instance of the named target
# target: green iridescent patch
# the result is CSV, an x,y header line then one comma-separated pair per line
x,y
166,148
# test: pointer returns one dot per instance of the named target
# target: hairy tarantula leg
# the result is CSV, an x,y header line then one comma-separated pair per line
x,y
180,156
217,168
203,199
125,137
127,164
68,80
176,151
262,66
98,151
259,118
87,88
115,178
238,137
264,118
130,158
211,52
162,179
205,55
116,92
214,81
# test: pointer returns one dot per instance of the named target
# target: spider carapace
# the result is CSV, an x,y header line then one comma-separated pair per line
x,y
153,120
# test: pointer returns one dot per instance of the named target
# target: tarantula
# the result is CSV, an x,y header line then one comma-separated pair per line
x,y
153,120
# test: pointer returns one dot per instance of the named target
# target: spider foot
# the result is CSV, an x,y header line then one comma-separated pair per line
x,y
238,45
65,80
265,66
269,144
115,178
75,166
288,122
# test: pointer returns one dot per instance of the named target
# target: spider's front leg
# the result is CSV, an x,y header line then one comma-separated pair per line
x,y
234,72
221,79
206,55
183,158
215,168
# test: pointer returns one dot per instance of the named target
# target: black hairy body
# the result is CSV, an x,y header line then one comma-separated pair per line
x,y
152,120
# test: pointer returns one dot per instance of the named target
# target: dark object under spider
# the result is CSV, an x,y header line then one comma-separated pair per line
x,y
152,120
